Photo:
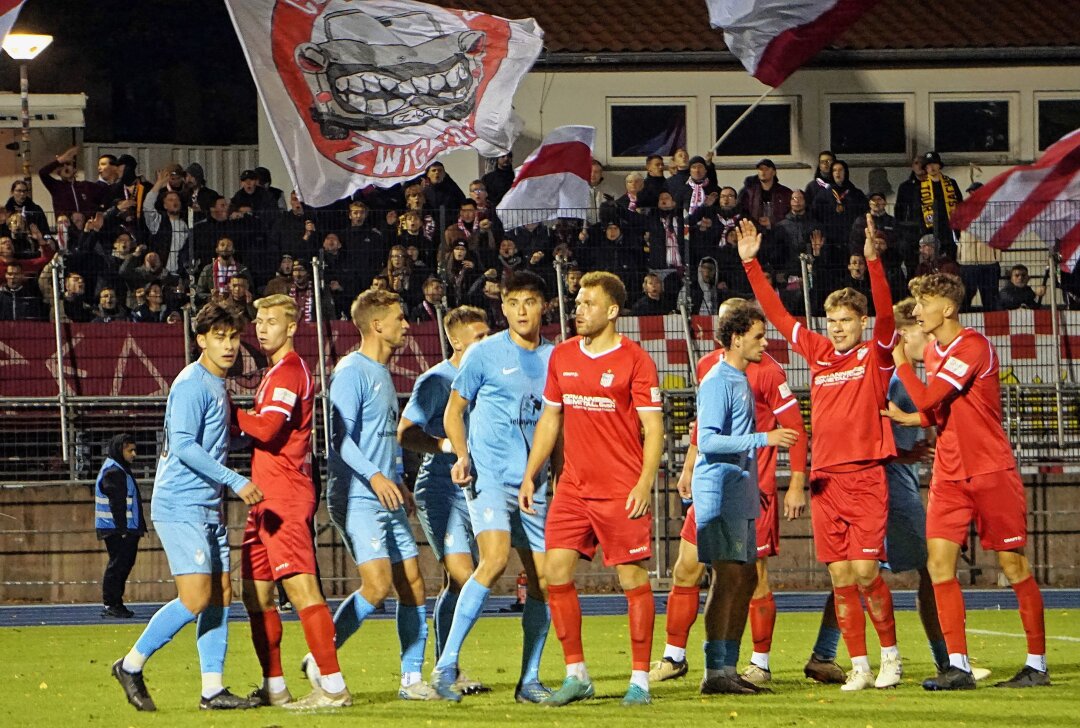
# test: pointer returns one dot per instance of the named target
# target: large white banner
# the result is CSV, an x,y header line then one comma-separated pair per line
x,y
371,92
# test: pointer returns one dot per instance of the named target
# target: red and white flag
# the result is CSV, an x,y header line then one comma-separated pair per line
x,y
1038,201
372,92
772,38
553,181
9,13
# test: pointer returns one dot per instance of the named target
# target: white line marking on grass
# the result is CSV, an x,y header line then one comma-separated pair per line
x,y
992,633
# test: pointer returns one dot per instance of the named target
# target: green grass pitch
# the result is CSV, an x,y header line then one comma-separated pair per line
x,y
58,677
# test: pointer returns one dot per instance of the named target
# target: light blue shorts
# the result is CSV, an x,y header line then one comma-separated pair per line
x,y
443,513
372,532
905,532
494,507
194,548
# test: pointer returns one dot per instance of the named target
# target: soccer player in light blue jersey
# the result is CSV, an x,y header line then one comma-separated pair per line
x,y
365,497
501,385
186,511
725,494
440,503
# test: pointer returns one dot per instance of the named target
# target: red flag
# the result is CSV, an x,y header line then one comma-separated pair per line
x,y
553,181
1033,201
772,38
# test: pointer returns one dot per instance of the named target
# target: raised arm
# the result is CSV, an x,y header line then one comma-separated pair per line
x,y
778,316
884,322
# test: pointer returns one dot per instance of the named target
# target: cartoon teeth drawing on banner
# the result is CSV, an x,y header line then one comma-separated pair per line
x,y
409,71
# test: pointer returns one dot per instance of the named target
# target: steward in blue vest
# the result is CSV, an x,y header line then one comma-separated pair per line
x,y
119,521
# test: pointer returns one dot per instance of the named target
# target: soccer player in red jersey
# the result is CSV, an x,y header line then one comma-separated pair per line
x,y
851,438
775,406
602,392
278,543
975,476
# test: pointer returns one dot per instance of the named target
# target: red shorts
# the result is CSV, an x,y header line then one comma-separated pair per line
x,y
768,527
996,502
279,540
849,512
579,524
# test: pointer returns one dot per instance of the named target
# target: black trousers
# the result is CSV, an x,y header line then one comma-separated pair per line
x,y
122,550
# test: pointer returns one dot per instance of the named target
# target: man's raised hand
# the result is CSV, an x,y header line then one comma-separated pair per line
x,y
869,246
749,239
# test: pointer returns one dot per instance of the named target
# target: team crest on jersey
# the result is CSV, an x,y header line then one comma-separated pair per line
x,y
654,394
607,379
863,351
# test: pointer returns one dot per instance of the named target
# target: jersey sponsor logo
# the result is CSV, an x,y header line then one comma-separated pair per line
x,y
654,394
283,395
956,366
607,379
509,370
835,378
589,403
785,390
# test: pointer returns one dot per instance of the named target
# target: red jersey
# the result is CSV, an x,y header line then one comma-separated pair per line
x,y
847,390
281,430
600,396
774,405
962,397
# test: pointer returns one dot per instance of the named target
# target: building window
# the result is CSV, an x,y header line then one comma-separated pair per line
x,y
765,132
638,130
1057,117
971,126
867,127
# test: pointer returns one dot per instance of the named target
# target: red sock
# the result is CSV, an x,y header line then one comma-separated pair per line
x,y
266,636
566,616
762,622
318,626
1031,614
641,609
849,617
879,606
682,609
951,615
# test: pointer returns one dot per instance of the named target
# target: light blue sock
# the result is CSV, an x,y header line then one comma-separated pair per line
x,y
212,629
444,617
350,615
470,606
731,653
163,626
827,640
535,620
714,654
939,651
412,632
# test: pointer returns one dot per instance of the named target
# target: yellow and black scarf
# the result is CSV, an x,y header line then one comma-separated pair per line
x,y
926,198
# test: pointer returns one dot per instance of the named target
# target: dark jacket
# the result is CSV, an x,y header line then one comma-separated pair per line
x,y
1013,297
646,306
77,195
21,304
752,200
497,182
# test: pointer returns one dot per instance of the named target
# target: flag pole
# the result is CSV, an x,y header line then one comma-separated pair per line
x,y
742,117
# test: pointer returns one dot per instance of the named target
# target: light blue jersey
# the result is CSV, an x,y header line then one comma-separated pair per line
x,y
727,444
504,384
363,427
425,408
191,470
905,534
905,437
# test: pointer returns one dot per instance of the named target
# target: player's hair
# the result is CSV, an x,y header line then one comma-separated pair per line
x,y
369,305
523,280
464,315
279,299
730,305
945,285
847,298
904,313
609,283
213,316
737,322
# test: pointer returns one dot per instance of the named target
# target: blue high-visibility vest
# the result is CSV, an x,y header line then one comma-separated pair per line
x,y
103,517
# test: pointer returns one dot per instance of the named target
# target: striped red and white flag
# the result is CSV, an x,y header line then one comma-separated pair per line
x,y
1031,202
553,181
772,38
9,13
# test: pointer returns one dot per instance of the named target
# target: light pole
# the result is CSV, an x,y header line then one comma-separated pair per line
x,y
25,47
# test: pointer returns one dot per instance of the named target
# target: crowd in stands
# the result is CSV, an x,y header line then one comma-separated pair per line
x,y
141,250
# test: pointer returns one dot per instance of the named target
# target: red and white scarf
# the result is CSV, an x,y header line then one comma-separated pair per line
x,y
697,196
305,302
222,273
